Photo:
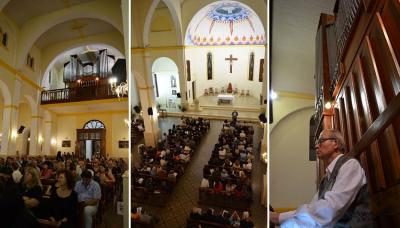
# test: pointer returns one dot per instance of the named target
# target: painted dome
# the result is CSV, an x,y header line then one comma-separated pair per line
x,y
225,23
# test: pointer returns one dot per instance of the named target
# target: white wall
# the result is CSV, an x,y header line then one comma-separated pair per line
x,y
221,76
289,165
164,68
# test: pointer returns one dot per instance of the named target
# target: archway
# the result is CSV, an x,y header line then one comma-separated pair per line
x,y
225,54
166,83
5,106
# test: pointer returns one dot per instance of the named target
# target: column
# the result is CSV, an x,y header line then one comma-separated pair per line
x,y
47,142
10,121
147,100
152,132
182,78
8,143
125,195
36,139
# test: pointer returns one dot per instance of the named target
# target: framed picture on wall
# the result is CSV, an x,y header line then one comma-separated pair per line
x,y
66,143
123,144
173,92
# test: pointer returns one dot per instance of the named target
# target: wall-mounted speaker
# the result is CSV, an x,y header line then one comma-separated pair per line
x,y
21,129
137,109
150,111
262,118
178,95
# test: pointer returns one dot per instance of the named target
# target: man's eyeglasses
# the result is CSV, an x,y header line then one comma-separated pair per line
x,y
321,140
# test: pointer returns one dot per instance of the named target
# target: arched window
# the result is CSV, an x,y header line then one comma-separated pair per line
x,y
94,124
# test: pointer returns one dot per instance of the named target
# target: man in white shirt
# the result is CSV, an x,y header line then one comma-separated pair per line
x,y
338,189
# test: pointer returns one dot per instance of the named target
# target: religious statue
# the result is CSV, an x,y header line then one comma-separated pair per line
x,y
173,81
251,68
229,90
209,66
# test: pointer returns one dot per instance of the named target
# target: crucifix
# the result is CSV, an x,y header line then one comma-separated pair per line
x,y
230,59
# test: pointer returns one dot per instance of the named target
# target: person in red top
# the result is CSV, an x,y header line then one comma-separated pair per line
x,y
218,187
46,172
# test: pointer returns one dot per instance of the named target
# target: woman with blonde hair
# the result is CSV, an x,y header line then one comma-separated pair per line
x,y
32,190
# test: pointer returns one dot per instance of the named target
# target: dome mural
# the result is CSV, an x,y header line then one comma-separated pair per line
x,y
225,23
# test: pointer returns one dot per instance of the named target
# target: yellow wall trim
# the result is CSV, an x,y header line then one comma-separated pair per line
x,y
304,96
36,117
284,209
136,50
10,106
95,113
15,72
104,101
146,88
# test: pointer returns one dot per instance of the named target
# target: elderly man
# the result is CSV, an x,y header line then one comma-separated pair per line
x,y
89,194
342,197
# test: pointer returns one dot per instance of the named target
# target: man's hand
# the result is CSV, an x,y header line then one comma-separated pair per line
x,y
274,217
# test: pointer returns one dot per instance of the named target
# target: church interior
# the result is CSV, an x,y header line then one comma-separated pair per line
x,y
64,110
198,111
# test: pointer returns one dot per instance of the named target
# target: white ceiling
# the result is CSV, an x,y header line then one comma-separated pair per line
x,y
73,29
88,107
293,43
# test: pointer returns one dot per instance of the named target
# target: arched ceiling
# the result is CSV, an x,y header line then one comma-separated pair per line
x,y
73,29
225,23
20,11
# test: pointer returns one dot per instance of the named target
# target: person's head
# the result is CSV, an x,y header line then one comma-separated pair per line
x,y
329,144
65,178
86,177
15,166
31,177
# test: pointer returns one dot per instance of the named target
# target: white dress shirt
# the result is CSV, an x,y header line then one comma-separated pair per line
x,y
327,211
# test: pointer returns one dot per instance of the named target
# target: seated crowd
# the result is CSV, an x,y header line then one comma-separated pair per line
x,y
141,218
32,187
229,169
162,166
224,218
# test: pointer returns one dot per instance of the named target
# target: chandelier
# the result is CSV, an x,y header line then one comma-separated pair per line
x,y
120,90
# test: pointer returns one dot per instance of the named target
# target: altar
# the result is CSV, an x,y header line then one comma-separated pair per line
x,y
225,99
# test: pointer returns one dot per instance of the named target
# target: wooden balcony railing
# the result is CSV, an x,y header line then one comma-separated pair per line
x,y
82,93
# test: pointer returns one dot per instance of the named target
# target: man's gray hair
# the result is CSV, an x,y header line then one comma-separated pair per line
x,y
339,138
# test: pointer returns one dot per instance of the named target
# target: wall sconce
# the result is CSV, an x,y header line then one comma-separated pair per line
x,y
126,122
40,139
53,142
14,134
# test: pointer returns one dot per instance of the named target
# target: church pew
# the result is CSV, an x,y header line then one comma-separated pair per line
x,y
207,197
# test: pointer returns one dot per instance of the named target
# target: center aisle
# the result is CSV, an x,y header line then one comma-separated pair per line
x,y
186,193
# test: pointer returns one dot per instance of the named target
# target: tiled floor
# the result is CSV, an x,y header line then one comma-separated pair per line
x,y
185,194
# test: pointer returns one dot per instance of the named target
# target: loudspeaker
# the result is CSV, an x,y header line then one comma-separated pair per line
x,y
21,129
150,111
178,95
137,109
262,118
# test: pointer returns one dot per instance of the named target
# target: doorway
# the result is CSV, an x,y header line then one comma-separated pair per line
x,y
91,140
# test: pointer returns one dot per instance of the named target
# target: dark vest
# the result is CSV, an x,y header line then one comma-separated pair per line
x,y
359,213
